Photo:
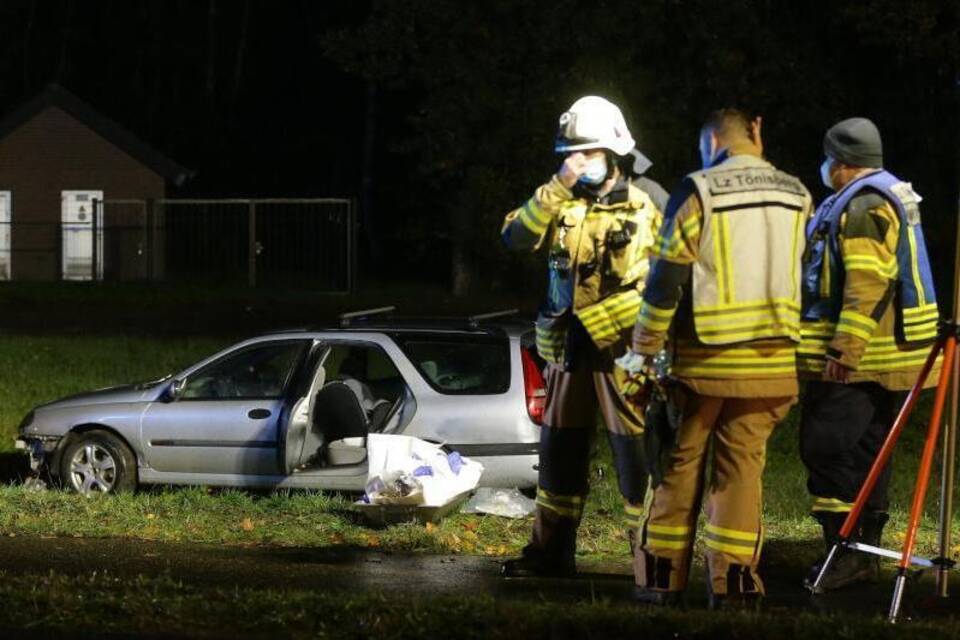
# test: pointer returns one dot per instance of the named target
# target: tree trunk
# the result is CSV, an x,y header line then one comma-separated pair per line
x,y
139,80
367,177
27,34
460,268
241,53
66,33
211,48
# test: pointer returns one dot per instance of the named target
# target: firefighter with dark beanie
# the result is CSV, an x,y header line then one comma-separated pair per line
x,y
869,316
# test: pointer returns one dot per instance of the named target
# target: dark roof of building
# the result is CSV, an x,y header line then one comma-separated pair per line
x,y
57,96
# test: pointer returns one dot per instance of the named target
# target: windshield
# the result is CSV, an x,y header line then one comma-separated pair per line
x,y
140,386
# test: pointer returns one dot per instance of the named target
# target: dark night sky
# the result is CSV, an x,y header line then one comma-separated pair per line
x,y
241,93
270,98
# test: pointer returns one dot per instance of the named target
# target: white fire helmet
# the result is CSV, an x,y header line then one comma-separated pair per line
x,y
593,122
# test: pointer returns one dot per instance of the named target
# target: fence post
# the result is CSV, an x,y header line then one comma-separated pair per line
x,y
352,233
149,239
97,204
58,258
252,244
159,230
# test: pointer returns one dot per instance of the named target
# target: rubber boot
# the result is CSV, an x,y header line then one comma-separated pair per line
x,y
550,553
871,532
655,590
750,602
534,563
744,591
848,567
831,524
656,597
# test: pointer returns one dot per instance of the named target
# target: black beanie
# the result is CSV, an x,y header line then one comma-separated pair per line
x,y
855,141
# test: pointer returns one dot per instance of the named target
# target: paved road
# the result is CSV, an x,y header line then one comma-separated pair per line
x,y
290,567
360,569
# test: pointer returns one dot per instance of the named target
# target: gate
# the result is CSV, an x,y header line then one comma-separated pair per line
x,y
123,252
277,242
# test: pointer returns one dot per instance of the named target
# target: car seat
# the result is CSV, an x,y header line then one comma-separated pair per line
x,y
379,414
340,422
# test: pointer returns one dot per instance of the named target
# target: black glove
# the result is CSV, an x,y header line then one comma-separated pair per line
x,y
663,419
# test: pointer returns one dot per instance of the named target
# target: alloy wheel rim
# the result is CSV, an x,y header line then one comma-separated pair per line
x,y
93,469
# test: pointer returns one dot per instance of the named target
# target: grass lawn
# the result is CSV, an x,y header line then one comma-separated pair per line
x,y
36,369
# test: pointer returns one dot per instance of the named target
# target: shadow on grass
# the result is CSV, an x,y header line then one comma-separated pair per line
x,y
790,557
787,561
14,467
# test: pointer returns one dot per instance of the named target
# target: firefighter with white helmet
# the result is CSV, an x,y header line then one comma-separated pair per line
x,y
598,229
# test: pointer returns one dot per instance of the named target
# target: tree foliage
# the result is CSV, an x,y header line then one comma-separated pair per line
x,y
441,113
478,87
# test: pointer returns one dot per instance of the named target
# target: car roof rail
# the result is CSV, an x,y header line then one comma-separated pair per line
x,y
346,319
475,320
279,330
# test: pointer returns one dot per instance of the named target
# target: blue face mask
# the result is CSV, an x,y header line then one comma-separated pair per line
x,y
825,173
706,152
596,171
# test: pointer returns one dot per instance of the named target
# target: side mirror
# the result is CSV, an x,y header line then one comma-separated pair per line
x,y
175,389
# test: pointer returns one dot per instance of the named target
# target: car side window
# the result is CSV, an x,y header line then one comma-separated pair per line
x,y
257,372
367,370
466,365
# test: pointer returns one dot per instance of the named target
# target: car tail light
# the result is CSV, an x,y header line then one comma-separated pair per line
x,y
533,386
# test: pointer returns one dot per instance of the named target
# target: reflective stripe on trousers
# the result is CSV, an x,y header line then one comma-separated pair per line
x,y
739,429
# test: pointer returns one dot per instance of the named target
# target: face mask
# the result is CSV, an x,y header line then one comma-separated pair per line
x,y
706,152
825,173
596,171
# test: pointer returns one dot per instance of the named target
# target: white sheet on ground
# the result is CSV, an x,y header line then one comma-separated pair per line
x,y
440,476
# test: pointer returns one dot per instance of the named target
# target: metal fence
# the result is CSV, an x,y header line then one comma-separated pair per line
x,y
289,242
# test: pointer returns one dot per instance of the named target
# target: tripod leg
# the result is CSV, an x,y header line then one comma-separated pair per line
x,y
947,479
887,449
882,458
923,475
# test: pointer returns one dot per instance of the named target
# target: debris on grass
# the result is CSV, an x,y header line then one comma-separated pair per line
x,y
508,503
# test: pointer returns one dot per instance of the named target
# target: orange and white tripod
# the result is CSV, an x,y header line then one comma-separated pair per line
x,y
946,343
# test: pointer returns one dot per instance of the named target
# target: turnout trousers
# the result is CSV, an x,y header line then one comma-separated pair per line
x,y
842,427
738,429
566,442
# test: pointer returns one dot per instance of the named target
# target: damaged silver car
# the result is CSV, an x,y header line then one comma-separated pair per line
x,y
293,409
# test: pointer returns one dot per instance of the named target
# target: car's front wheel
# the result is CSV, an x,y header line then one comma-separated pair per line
x,y
98,462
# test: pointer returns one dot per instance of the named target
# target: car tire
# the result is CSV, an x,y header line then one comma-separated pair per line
x,y
98,462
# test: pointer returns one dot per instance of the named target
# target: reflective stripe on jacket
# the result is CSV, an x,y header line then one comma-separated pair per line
x,y
826,262
736,334
868,298
598,259
746,284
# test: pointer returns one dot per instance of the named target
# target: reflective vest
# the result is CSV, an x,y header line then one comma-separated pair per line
x,y
823,273
746,282
598,261
597,266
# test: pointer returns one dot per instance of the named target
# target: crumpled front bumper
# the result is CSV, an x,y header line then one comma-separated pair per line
x,y
40,449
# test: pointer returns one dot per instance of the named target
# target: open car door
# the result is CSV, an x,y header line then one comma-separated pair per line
x,y
299,442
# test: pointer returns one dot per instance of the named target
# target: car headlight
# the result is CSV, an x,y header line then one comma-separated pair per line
x,y
26,422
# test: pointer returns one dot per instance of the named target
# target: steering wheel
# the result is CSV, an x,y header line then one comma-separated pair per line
x,y
225,388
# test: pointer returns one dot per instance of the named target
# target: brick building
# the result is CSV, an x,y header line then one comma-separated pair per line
x,y
57,156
